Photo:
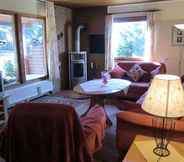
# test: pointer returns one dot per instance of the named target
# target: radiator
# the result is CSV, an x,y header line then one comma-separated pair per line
x,y
26,92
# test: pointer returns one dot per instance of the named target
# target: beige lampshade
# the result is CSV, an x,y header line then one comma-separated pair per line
x,y
165,97
180,26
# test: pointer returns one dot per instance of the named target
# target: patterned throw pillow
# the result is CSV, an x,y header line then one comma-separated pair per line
x,y
117,72
136,72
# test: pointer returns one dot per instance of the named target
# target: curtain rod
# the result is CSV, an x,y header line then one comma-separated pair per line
x,y
153,10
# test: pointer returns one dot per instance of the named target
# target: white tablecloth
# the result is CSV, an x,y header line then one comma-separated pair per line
x,y
98,87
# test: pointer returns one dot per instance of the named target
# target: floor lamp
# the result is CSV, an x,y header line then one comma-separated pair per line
x,y
165,99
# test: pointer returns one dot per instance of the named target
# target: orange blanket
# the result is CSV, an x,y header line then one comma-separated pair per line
x,y
94,124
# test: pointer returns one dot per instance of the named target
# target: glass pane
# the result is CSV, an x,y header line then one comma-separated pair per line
x,y
8,56
33,33
128,39
78,69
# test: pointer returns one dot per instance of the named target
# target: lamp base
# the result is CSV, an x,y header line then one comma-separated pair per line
x,y
164,128
162,152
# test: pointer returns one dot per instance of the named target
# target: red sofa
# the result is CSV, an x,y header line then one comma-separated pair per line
x,y
135,121
137,89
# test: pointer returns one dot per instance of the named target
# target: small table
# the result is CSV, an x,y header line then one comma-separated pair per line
x,y
99,91
135,154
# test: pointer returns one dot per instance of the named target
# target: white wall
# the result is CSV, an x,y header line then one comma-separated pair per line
x,y
63,16
172,12
165,20
24,6
163,45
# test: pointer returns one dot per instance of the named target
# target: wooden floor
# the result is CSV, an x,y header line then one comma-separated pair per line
x,y
71,94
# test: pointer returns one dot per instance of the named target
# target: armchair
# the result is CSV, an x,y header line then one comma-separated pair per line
x,y
51,133
135,121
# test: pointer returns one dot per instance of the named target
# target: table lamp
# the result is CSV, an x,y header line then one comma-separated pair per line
x,y
165,99
179,26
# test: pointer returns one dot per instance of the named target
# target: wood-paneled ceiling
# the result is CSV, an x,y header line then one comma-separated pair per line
x,y
90,3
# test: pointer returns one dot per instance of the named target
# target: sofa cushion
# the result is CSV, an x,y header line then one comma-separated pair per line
x,y
136,72
146,66
135,90
146,77
117,72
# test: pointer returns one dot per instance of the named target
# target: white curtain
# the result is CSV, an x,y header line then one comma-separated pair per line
x,y
150,36
52,47
109,60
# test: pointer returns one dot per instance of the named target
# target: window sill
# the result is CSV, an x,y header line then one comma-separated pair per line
x,y
118,59
31,77
19,85
26,92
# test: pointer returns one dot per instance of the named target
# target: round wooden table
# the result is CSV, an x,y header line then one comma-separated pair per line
x,y
98,91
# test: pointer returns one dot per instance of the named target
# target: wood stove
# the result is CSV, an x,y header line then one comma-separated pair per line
x,y
77,61
77,68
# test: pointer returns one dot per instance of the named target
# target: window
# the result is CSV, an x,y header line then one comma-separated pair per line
x,y
33,47
128,37
22,48
8,54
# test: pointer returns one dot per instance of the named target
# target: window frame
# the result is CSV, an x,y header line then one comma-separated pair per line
x,y
21,76
122,19
16,45
21,47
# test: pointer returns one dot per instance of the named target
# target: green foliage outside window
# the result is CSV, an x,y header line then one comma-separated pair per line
x,y
132,42
9,69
